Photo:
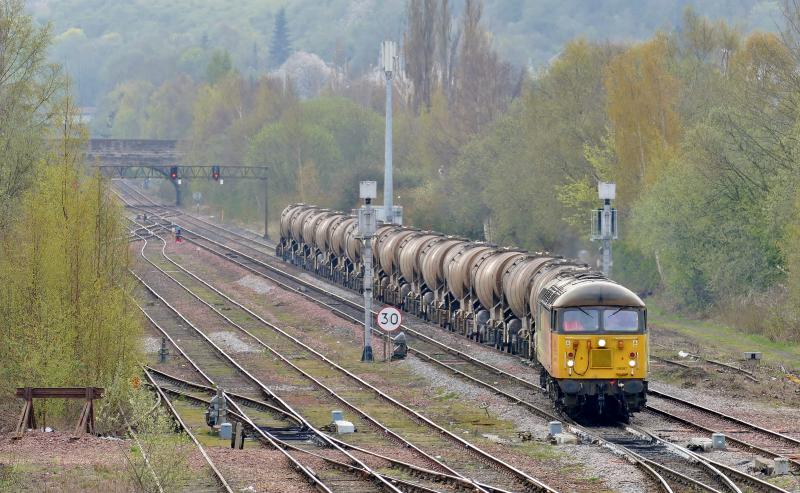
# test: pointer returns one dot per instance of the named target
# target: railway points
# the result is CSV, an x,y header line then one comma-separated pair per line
x,y
486,473
249,244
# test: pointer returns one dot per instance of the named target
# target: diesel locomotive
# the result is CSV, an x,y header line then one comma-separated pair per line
x,y
585,333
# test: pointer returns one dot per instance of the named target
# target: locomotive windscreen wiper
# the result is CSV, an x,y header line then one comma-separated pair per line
x,y
618,310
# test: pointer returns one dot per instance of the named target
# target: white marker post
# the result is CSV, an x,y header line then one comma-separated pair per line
x,y
389,319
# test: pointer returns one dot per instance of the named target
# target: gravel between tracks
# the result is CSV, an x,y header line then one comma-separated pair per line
x,y
611,471
257,284
232,343
265,470
561,467
780,419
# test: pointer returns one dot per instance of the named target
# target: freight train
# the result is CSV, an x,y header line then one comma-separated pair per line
x,y
586,333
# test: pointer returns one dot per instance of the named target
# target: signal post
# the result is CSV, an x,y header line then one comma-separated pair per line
x,y
366,230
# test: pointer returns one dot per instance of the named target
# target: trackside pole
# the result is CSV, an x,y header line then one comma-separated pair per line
x,y
366,230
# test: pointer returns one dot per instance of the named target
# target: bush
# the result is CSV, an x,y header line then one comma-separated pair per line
x,y
156,451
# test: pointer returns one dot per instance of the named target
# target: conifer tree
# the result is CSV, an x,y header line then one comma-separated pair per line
x,y
280,47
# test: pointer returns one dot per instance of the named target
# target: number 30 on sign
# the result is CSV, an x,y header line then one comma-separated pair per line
x,y
389,319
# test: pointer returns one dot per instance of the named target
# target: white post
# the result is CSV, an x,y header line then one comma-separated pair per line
x,y
607,192
388,50
367,256
607,237
366,230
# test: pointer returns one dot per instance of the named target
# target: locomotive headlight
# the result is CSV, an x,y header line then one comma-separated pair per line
x,y
632,363
601,343
570,363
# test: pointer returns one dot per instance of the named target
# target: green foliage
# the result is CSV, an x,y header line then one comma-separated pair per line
x,y
66,314
697,125
119,40
158,459
219,66
280,45
636,270
29,87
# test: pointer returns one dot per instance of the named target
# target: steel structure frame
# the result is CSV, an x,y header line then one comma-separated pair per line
x,y
226,172
184,171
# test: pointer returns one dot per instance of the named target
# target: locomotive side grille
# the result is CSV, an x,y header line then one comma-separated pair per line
x,y
601,358
549,295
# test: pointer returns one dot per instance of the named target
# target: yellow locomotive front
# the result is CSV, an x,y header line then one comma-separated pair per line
x,y
591,341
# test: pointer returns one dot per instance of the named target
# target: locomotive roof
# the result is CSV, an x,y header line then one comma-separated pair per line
x,y
596,293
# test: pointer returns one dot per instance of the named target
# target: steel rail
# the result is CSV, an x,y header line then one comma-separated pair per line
x,y
742,443
498,462
340,299
248,401
743,476
517,400
692,457
747,373
415,470
727,417
216,472
462,482
297,465
307,472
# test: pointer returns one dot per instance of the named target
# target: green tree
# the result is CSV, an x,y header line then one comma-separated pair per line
x,y
29,87
66,308
280,46
642,99
219,66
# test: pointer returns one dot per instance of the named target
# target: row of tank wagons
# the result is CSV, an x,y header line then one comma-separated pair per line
x,y
480,290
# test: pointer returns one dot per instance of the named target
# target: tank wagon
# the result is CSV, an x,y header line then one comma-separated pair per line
x,y
585,333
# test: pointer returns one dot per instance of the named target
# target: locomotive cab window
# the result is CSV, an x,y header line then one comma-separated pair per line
x,y
604,319
580,320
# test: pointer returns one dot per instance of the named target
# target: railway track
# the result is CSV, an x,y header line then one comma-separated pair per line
x,y
250,389
490,469
745,434
439,479
654,456
649,452
220,483
223,372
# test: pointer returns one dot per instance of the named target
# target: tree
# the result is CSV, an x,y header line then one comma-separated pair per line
x,y
280,46
219,66
642,99
29,87
419,48
482,80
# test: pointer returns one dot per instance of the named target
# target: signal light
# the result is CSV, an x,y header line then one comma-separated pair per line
x,y
215,172
173,172
633,355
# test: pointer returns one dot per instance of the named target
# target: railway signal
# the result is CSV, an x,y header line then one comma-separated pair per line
x,y
604,224
173,172
366,230
215,173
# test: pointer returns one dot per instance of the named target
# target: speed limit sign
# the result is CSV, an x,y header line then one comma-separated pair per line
x,y
389,319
